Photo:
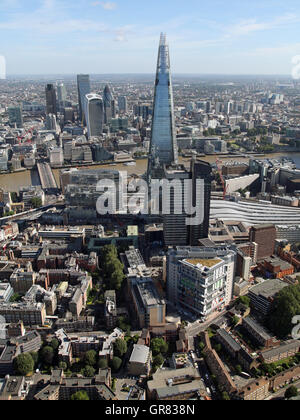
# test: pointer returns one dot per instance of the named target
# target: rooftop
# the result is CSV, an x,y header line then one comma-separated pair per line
x,y
204,262
268,288
140,354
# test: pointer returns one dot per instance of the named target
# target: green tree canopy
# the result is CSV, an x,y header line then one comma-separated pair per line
x,y
245,300
88,371
90,358
102,364
47,355
54,344
36,202
63,365
225,396
24,364
158,345
112,267
80,396
116,364
158,360
35,357
291,392
285,306
120,347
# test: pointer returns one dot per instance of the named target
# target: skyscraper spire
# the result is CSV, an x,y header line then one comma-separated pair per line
x,y
163,137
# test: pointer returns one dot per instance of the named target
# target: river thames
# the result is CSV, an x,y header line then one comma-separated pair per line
x,y
14,181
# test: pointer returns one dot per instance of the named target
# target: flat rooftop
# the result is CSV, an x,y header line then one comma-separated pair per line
x,y
207,262
268,288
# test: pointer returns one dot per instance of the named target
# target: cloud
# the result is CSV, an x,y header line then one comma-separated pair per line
x,y
248,26
107,5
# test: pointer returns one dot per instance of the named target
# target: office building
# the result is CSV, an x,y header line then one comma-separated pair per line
x,y
6,292
94,114
51,122
51,107
56,156
200,170
30,313
200,280
122,104
163,144
61,95
109,105
150,309
176,384
84,88
139,362
15,116
175,228
264,236
262,295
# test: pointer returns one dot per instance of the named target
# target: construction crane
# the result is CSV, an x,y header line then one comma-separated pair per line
x,y
219,163
25,135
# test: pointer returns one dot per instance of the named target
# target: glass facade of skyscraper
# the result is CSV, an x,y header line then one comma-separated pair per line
x,y
94,114
163,137
84,87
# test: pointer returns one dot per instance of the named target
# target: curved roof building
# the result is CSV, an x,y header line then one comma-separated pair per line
x,y
254,213
94,114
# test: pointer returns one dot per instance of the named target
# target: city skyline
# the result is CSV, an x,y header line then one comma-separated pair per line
x,y
113,38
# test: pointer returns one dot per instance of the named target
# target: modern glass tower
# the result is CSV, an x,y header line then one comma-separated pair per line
x,y
94,114
109,105
51,99
84,87
163,146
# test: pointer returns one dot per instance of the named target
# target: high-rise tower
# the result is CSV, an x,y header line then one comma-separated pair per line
x,y
109,105
84,87
93,109
51,99
163,146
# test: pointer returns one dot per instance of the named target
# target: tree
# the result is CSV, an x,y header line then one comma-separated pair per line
x,y
245,300
158,360
218,347
47,355
54,344
112,267
90,358
80,396
36,202
63,365
285,306
235,320
158,345
225,396
291,392
116,364
238,369
268,368
35,357
123,324
89,371
120,347
24,364
102,364
201,345
117,277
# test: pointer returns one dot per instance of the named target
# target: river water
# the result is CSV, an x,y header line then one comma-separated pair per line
x,y
13,182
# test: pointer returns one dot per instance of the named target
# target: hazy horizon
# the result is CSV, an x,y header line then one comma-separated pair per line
x,y
49,37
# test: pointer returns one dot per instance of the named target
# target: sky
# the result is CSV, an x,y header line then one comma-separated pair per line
x,y
122,36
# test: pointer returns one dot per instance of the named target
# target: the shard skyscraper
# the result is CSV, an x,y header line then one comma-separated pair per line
x,y
163,146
